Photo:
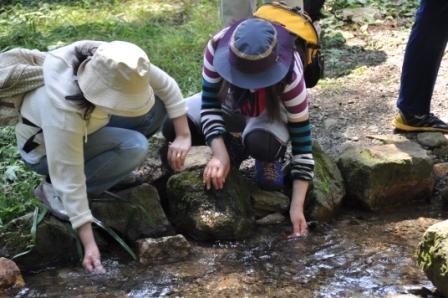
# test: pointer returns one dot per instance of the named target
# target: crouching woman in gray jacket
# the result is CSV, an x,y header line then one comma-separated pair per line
x,y
86,128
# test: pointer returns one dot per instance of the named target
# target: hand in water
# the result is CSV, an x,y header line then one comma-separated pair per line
x,y
299,225
92,260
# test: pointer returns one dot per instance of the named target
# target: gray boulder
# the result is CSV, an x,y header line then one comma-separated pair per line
x,y
327,190
138,214
386,175
210,214
432,255
163,250
266,202
55,242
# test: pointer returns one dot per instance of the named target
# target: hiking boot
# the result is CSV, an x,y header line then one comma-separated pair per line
x,y
415,123
51,200
269,175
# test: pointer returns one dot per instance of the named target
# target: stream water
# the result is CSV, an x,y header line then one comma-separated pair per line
x,y
357,255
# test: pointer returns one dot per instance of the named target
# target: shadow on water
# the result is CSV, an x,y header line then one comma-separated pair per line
x,y
359,254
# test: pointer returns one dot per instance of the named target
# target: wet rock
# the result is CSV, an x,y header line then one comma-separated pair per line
x,y
10,275
441,169
271,219
360,14
265,202
138,214
432,255
432,139
327,190
385,175
163,250
210,214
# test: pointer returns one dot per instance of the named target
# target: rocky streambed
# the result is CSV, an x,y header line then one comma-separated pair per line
x,y
358,254
368,210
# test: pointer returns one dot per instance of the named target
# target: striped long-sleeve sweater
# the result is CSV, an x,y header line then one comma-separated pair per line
x,y
294,98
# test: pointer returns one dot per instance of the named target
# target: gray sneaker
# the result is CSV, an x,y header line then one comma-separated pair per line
x,y
51,200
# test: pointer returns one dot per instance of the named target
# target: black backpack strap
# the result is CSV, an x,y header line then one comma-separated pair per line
x,y
30,145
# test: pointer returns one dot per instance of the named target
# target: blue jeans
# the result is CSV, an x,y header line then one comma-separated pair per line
x,y
423,56
116,150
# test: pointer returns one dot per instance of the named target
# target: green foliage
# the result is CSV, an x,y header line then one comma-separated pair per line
x,y
17,182
173,34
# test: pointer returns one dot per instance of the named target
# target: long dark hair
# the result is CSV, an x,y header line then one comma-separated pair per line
x,y
273,98
81,55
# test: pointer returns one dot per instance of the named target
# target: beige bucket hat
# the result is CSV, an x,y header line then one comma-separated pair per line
x,y
116,78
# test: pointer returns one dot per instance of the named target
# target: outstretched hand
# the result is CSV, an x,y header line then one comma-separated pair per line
x,y
92,258
216,171
299,225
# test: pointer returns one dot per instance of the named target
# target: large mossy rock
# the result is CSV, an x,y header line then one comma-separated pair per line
x,y
138,214
210,215
386,175
55,242
432,255
327,190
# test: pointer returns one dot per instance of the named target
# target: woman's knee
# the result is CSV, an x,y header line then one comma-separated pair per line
x,y
135,147
263,145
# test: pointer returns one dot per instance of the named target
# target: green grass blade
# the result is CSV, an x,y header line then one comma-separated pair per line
x,y
75,236
116,238
33,234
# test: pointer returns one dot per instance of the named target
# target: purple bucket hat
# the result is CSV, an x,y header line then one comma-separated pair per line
x,y
254,54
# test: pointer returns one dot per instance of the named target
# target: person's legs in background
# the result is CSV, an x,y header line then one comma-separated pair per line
x,y
234,10
423,55
147,124
194,122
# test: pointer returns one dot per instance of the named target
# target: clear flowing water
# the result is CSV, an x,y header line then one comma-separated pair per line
x,y
357,255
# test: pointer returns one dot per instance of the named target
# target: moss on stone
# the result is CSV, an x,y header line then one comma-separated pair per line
x,y
432,255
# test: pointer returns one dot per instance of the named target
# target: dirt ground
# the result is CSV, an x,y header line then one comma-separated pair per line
x,y
348,109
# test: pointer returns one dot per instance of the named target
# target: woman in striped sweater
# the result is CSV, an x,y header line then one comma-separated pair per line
x,y
253,83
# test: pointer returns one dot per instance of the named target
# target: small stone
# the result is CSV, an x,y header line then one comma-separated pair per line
x,y
10,275
163,250
271,219
432,139
441,169
389,139
197,157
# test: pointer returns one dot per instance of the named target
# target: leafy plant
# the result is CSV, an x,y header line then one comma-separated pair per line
x,y
17,182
